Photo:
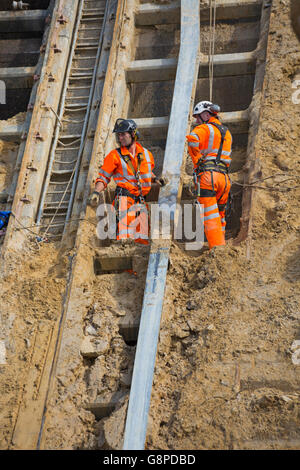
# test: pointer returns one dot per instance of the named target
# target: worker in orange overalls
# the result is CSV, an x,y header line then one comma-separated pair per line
x,y
209,145
131,167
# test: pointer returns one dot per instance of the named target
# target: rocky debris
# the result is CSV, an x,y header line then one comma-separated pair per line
x,y
92,347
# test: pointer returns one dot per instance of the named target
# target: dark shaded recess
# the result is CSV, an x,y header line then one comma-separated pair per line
x,y
235,212
151,99
129,333
17,100
230,92
21,35
107,265
19,52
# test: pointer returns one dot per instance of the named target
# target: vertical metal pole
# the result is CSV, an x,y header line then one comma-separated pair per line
x,y
186,77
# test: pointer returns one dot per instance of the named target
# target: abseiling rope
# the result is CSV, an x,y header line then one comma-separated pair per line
x,y
212,31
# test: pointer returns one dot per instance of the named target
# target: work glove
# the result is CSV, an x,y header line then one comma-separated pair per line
x,y
160,181
94,199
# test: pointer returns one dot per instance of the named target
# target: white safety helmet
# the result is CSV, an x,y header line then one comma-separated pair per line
x,y
206,106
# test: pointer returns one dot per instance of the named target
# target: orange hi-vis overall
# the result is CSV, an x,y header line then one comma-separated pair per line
x,y
210,152
133,177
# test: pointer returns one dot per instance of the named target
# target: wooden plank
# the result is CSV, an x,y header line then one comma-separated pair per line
x,y
165,69
150,13
17,77
26,20
158,126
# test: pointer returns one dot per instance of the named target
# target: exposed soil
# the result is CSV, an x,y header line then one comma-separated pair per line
x,y
32,290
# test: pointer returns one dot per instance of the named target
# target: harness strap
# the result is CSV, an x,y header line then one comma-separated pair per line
x,y
124,192
211,192
223,130
128,161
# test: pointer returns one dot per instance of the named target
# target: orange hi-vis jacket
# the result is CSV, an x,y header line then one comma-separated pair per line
x,y
204,143
115,166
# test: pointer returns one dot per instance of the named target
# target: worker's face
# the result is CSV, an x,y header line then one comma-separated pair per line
x,y
203,117
124,138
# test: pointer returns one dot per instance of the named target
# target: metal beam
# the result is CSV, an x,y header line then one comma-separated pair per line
x,y
165,69
150,13
28,20
17,77
185,84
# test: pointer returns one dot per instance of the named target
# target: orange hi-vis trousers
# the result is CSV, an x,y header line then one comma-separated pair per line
x,y
132,219
214,192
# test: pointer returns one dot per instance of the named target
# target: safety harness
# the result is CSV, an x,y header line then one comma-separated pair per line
x,y
125,192
212,166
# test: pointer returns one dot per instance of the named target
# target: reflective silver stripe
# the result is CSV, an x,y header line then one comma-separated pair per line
x,y
194,135
210,208
211,137
223,228
148,159
101,179
122,180
141,235
128,177
223,220
227,160
145,185
108,175
124,168
211,216
126,231
224,152
193,144
122,213
210,158
145,176
104,177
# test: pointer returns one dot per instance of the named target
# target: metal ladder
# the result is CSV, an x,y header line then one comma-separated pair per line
x,y
72,120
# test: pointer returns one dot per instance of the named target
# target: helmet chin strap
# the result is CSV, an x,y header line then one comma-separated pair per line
x,y
132,141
